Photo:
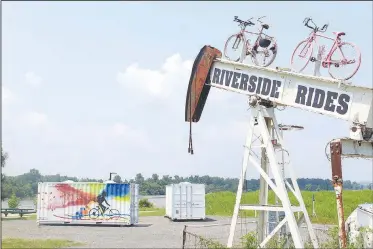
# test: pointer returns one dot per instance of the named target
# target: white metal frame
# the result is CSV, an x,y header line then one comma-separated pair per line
x,y
233,77
259,114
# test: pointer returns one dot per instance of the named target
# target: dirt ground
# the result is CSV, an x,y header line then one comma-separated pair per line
x,y
151,232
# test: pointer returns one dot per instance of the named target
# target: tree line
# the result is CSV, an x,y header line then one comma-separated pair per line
x,y
26,185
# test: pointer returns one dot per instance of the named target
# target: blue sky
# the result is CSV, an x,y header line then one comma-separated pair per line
x,y
94,87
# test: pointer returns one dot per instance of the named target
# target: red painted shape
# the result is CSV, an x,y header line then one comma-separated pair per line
x,y
73,196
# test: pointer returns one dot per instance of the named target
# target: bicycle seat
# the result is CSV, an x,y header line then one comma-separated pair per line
x,y
339,33
265,26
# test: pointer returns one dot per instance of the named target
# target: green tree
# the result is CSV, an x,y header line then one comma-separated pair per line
x,y
139,178
308,187
145,203
13,201
155,177
4,157
117,179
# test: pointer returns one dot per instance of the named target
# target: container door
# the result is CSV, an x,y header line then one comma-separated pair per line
x,y
43,203
134,203
185,201
198,201
180,202
189,201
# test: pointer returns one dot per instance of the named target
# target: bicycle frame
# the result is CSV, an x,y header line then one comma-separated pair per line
x,y
259,36
312,39
100,210
242,33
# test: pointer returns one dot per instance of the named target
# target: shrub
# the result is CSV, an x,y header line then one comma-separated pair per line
x,y
145,203
13,201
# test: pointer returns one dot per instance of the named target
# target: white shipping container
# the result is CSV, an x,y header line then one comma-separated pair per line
x,y
185,201
87,203
361,217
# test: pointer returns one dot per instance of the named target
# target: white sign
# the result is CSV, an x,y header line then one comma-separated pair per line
x,y
317,94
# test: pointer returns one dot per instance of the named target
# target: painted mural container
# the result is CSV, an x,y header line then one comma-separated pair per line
x,y
87,203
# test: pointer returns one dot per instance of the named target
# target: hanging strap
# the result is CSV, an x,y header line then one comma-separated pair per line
x,y
190,148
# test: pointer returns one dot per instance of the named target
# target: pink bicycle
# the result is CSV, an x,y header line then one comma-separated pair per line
x,y
264,45
340,56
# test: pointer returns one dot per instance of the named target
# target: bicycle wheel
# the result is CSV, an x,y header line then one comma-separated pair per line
x,y
265,56
303,51
346,59
114,214
234,47
94,213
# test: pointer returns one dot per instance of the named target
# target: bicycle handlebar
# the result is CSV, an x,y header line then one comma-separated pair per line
x,y
260,18
244,23
314,28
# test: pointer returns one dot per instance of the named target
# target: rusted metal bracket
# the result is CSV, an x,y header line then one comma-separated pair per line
x,y
336,161
345,147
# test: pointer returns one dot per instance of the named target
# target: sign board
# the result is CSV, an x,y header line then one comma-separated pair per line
x,y
281,88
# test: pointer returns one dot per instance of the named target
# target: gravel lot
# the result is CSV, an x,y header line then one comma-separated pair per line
x,y
151,232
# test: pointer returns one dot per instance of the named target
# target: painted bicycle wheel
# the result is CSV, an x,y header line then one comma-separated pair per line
x,y
301,56
114,214
234,47
264,57
94,213
344,61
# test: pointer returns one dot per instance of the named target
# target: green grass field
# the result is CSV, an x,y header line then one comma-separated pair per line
x,y
37,243
25,217
152,212
222,203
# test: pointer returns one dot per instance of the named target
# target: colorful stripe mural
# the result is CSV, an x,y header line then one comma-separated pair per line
x,y
85,201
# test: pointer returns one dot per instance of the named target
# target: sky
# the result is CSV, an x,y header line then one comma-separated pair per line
x,y
90,88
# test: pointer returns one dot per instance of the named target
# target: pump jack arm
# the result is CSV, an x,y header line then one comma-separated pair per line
x,y
278,87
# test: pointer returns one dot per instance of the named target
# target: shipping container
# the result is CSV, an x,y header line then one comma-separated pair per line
x,y
87,203
358,221
185,201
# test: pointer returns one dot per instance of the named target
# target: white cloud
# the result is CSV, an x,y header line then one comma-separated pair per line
x,y
33,79
158,83
35,118
172,77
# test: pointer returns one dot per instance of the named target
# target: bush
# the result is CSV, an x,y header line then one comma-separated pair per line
x,y
13,201
145,203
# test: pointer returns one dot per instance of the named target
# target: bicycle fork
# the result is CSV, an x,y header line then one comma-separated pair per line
x,y
320,53
236,42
